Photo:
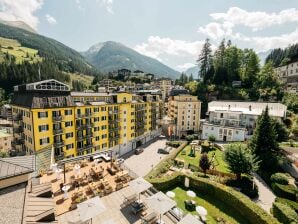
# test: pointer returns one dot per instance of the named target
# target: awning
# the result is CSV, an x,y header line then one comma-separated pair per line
x,y
189,219
160,203
90,208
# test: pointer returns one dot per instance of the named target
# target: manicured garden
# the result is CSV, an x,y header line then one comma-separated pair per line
x,y
216,209
219,163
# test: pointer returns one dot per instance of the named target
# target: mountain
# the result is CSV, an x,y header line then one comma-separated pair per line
x,y
67,59
263,55
110,56
194,71
18,24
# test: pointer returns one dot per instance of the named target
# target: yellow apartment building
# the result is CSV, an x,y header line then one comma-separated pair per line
x,y
185,111
47,114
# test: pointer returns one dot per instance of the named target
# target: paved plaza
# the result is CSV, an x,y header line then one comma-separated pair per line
x,y
142,164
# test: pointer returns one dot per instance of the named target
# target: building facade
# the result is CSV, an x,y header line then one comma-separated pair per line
x,y
165,85
235,121
185,111
288,74
5,141
46,114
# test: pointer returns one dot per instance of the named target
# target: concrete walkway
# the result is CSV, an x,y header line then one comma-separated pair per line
x,y
266,196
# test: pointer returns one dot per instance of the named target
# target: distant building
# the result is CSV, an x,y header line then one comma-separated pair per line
x,y
165,85
6,112
185,111
288,74
235,121
5,141
177,90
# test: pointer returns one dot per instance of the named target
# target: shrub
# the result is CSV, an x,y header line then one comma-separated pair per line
x,y
285,191
279,178
284,213
173,144
211,138
189,138
292,204
246,185
236,200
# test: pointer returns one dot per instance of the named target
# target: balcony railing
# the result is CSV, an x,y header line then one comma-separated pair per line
x,y
18,130
17,117
60,156
58,131
20,141
113,138
89,114
113,111
58,144
80,126
57,118
112,129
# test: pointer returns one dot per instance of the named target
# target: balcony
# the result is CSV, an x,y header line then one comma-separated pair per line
x,y
20,141
58,131
60,156
80,116
18,130
89,125
113,138
58,144
80,126
17,117
113,112
89,114
89,135
57,118
112,129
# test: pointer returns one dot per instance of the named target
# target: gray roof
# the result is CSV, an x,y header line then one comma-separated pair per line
x,y
13,166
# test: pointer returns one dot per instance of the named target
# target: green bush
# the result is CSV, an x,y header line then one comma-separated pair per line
x,y
211,138
173,144
225,194
284,213
285,191
246,185
292,204
279,178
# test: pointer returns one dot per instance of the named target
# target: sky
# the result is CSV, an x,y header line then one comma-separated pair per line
x,y
171,31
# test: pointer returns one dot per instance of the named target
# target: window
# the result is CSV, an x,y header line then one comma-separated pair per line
x,y
104,145
69,146
96,128
95,109
103,118
69,135
221,115
104,127
68,112
44,127
96,119
68,124
104,136
103,109
42,114
97,138
44,141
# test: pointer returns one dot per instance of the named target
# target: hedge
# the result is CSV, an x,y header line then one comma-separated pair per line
x,y
292,204
284,213
225,194
164,165
285,191
279,178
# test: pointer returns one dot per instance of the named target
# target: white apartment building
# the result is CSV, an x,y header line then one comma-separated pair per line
x,y
288,74
236,121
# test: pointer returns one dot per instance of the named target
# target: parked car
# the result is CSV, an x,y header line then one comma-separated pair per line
x,y
120,160
139,151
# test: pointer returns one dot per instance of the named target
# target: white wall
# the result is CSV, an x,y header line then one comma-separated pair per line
x,y
237,134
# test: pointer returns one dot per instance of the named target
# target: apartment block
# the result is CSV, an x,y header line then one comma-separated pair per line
x,y
165,85
185,111
235,121
47,114
288,74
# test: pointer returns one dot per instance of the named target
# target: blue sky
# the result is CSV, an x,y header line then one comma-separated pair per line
x,y
171,31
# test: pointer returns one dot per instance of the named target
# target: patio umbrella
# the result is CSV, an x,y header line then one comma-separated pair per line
x,y
201,211
189,219
170,194
160,203
90,208
139,185
191,194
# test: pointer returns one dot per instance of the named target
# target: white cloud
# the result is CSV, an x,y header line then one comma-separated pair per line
x,y
108,4
157,46
256,20
51,20
185,66
79,5
20,10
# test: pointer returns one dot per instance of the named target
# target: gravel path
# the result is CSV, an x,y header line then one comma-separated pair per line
x,y
266,196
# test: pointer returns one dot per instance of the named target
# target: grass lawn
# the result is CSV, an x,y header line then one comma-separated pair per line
x,y
215,208
219,163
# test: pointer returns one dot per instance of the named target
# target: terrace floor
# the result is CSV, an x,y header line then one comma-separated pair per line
x,y
113,214
87,189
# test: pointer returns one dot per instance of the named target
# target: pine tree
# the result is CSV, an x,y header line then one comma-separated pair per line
x,y
264,141
204,163
205,61
190,79
240,160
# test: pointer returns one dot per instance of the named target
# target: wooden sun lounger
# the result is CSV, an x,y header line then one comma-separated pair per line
x,y
42,190
150,218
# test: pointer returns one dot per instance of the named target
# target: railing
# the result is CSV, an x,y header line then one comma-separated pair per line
x,y
60,156
18,130
58,131
57,118
89,114
58,144
113,111
81,126
18,142
17,117
8,169
113,129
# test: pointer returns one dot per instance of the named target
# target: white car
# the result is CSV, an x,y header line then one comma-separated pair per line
x,y
120,160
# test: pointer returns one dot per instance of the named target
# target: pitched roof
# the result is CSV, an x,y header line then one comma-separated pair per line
x,y
9,169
